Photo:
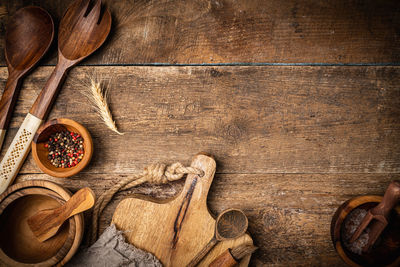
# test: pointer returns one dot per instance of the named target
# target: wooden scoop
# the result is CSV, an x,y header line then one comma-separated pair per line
x,y
82,30
377,217
46,223
230,224
28,37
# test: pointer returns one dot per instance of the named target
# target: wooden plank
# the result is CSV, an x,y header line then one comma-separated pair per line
x,y
226,31
253,119
289,214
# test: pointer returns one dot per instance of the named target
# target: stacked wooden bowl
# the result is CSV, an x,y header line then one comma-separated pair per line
x,y
18,245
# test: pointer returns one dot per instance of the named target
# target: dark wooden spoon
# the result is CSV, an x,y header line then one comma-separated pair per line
x,y
28,37
81,32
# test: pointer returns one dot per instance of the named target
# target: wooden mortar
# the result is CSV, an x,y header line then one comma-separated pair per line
x,y
386,251
18,246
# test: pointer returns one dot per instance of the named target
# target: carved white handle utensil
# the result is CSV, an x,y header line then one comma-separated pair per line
x,y
18,150
82,30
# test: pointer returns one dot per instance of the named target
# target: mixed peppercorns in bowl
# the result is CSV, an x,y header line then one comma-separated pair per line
x,y
65,149
62,147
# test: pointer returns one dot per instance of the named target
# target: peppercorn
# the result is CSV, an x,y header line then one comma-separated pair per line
x,y
65,149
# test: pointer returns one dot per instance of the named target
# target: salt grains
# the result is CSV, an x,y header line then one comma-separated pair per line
x,y
351,223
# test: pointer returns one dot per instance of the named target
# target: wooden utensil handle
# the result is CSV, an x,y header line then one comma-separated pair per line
x,y
203,252
46,98
82,200
389,201
18,150
7,103
8,100
2,136
224,260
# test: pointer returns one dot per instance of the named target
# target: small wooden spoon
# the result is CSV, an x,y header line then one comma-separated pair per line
x,y
46,223
230,224
28,37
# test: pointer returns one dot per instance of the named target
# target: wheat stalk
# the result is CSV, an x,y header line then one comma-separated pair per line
x,y
98,95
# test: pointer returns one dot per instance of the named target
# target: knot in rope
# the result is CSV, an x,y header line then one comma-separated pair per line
x,y
160,173
155,173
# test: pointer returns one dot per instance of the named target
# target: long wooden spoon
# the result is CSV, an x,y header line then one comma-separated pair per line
x,y
29,35
46,223
230,224
81,32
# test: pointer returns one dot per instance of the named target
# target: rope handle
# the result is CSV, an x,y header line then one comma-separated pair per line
x,y
154,173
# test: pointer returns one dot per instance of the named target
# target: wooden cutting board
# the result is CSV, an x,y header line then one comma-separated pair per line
x,y
175,230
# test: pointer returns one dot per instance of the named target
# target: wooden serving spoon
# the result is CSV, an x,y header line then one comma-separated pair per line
x,y
81,32
46,223
29,35
230,224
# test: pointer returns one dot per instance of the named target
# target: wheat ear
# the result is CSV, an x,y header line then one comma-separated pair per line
x,y
98,95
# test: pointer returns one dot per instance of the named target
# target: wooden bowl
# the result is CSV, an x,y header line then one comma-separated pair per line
x,y
40,152
386,251
18,246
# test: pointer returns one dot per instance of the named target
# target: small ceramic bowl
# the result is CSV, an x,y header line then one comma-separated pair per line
x,y
386,251
40,152
18,245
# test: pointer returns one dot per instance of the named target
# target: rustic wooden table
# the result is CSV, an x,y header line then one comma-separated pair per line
x,y
298,101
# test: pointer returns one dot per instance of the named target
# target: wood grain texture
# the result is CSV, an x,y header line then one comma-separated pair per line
x,y
226,31
224,260
252,119
291,143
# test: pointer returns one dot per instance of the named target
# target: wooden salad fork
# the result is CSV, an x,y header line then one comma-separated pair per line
x,y
82,30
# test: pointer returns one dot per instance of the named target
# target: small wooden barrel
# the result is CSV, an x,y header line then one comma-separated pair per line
x,y
386,251
18,245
